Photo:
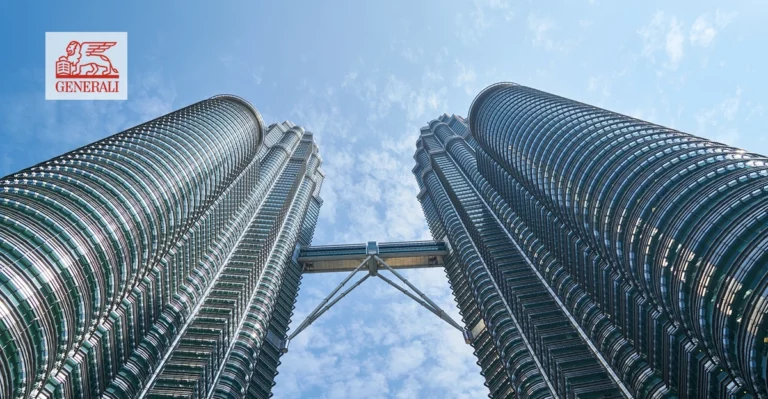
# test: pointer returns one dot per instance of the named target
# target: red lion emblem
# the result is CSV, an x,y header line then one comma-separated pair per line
x,y
86,59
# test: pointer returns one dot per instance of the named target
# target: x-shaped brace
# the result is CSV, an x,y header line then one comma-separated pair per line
x,y
373,262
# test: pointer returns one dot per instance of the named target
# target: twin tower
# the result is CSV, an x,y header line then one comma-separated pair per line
x,y
592,255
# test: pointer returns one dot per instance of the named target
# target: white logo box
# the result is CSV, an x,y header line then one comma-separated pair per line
x,y
86,65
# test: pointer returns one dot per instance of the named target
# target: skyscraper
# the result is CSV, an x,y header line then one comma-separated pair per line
x,y
159,261
597,255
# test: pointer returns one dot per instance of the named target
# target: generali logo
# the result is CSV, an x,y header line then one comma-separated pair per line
x,y
86,66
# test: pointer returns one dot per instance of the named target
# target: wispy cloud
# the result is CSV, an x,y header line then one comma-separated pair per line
x,y
227,59
60,126
702,31
349,78
257,75
544,33
718,123
370,193
675,42
540,28
369,190
466,77
471,25
431,76
646,114
599,84
377,194
706,27
602,84
411,54
723,19
376,354
664,33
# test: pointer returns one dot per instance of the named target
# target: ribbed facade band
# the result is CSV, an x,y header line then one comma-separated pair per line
x,y
157,262
606,256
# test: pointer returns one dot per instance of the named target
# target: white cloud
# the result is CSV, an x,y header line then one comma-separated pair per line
x,y
602,84
651,34
498,4
465,78
151,96
396,92
730,106
257,75
718,123
396,351
377,192
675,41
61,126
226,59
349,78
472,25
664,33
410,54
411,389
757,110
440,55
540,27
432,76
370,192
325,120
404,359
723,19
358,349
599,84
646,114
702,31
433,101
705,28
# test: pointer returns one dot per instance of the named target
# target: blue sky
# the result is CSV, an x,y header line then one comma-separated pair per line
x,y
364,76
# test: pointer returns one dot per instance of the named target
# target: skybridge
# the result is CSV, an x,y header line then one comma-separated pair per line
x,y
373,258
398,255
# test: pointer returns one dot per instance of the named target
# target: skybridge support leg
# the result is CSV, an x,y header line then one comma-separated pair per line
x,y
373,262
325,305
312,317
433,307
437,312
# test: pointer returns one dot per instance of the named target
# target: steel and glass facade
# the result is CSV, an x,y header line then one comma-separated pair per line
x,y
157,262
604,255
